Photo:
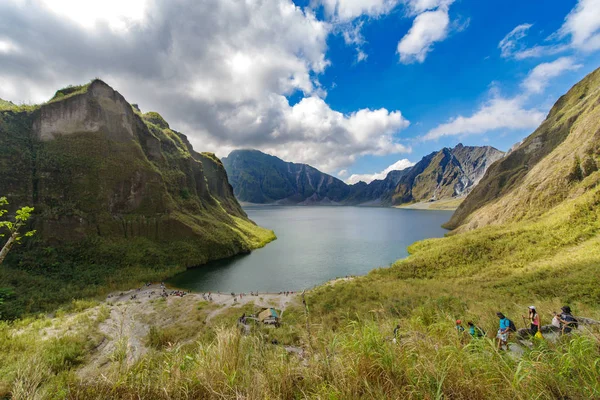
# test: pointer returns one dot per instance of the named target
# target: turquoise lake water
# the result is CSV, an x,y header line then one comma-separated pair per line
x,y
314,245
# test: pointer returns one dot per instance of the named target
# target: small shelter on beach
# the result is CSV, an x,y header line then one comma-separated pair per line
x,y
268,316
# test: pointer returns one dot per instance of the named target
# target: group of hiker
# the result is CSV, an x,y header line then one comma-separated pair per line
x,y
563,323
474,330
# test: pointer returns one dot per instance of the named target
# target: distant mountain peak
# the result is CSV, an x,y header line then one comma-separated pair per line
x,y
261,178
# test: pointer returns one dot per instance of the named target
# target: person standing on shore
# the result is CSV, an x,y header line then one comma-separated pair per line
x,y
567,321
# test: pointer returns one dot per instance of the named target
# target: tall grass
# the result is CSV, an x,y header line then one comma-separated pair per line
x,y
357,362
348,352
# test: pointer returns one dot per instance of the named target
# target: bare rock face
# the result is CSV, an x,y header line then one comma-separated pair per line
x,y
98,109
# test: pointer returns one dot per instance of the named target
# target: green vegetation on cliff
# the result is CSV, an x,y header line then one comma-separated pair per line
x,y
546,256
347,347
119,198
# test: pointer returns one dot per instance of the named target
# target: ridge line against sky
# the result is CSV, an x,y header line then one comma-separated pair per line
x,y
348,86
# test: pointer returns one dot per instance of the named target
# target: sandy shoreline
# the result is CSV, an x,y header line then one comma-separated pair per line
x,y
439,205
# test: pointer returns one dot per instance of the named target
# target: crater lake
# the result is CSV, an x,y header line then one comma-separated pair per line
x,y
314,245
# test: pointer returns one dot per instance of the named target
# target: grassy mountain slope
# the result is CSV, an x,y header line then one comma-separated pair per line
x,y
346,339
119,196
545,168
345,330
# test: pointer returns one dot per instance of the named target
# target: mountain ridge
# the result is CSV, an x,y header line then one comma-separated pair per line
x,y
265,179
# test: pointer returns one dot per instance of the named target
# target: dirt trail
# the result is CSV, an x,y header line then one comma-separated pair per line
x,y
226,301
133,312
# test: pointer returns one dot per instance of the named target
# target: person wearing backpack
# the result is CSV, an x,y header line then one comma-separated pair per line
x,y
475,331
567,321
506,326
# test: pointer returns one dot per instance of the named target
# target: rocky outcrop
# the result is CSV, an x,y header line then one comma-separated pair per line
x,y
445,174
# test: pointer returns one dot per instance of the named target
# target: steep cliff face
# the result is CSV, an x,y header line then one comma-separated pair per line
x,y
377,192
445,174
554,163
261,178
93,166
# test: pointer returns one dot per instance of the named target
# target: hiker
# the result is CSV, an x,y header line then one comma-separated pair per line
x,y
474,330
534,319
567,320
555,320
505,327
459,328
396,330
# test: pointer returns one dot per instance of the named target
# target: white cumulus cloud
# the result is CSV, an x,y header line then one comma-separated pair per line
x,y
219,71
582,25
498,113
429,27
347,10
368,178
117,14
416,7
537,80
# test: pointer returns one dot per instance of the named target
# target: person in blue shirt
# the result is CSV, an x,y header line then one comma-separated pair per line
x,y
474,330
503,331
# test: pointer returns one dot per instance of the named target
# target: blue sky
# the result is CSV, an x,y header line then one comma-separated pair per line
x,y
457,76
351,87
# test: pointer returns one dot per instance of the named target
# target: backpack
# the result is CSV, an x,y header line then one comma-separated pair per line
x,y
571,322
511,326
479,332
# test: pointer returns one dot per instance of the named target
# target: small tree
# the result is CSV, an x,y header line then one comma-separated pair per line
x,y
13,228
